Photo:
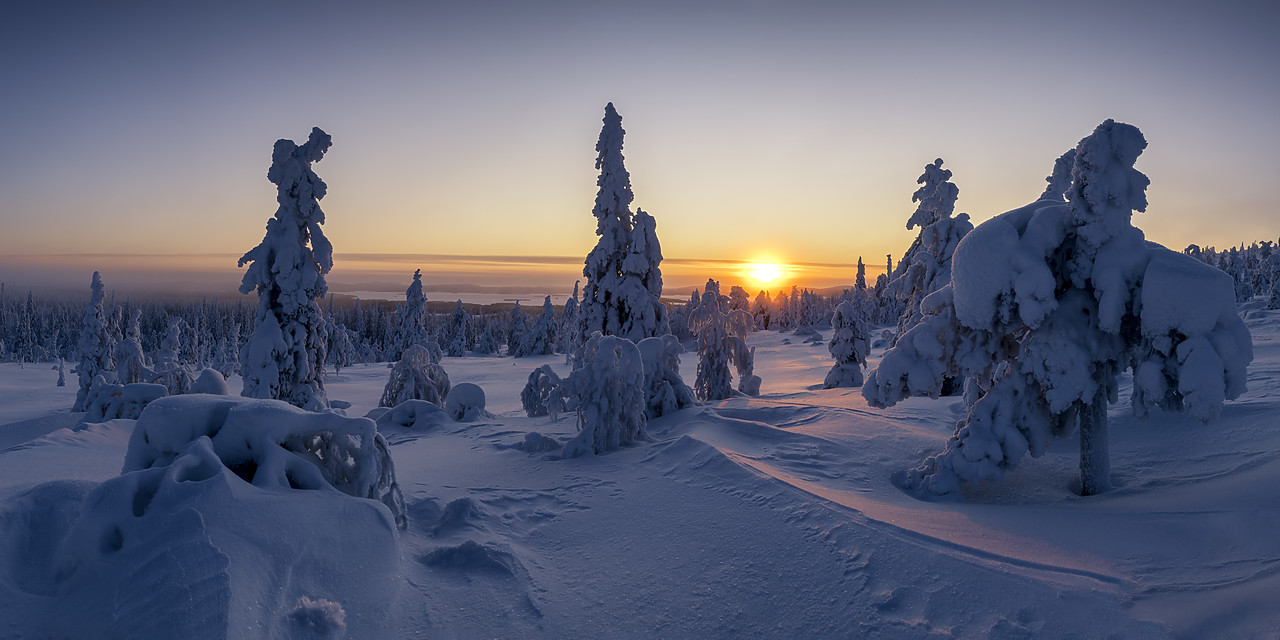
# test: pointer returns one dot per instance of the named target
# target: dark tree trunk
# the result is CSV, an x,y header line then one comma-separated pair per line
x,y
1095,455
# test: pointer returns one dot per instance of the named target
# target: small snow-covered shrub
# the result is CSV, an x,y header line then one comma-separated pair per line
x,y
542,394
848,346
466,403
271,444
317,618
610,393
664,390
417,376
106,401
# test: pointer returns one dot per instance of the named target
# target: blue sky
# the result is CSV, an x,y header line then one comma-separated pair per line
x,y
788,130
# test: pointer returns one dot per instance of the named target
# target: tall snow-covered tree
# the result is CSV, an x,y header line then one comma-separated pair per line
x,y
517,333
130,361
412,319
624,280
567,335
457,342
284,356
95,342
541,338
1047,306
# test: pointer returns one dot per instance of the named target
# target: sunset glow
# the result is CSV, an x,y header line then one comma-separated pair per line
x,y
764,274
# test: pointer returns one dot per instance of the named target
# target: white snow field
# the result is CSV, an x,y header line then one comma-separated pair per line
x,y
765,517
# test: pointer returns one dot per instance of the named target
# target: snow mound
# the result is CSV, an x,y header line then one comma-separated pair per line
x,y
408,420
466,403
270,444
473,557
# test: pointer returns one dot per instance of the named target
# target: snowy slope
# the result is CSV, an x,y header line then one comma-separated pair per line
x,y
753,517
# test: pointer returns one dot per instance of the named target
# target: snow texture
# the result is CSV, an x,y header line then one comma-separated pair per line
x,y
285,353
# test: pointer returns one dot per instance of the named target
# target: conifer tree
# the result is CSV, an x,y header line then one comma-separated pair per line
x,y
624,281
284,355
95,342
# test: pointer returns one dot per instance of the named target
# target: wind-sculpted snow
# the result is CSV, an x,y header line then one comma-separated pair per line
x,y
769,516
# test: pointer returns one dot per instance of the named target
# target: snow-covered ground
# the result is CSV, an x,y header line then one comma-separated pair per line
x,y
752,517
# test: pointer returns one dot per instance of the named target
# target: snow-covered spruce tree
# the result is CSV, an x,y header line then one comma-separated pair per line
x,y
609,388
1048,304
762,310
542,337
567,333
722,339
284,355
926,266
131,365
457,345
664,390
412,319
518,333
849,346
643,266
622,271
416,376
543,394
95,343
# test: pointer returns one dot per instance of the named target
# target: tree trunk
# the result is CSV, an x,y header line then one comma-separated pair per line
x,y
1095,455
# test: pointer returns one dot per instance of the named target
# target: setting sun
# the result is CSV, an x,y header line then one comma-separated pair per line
x,y
764,273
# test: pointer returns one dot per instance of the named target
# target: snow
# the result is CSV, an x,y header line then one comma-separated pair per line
x,y
772,516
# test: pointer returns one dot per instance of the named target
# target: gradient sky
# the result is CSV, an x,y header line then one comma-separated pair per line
x,y
794,130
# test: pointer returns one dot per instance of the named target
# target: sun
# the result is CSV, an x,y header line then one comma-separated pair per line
x,y
764,273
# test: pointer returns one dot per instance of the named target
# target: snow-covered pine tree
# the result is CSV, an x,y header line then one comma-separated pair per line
x,y
517,332
621,296
131,364
412,319
762,310
609,388
416,376
860,281
457,346
710,323
284,356
1048,305
648,315
541,339
95,343
849,346
567,333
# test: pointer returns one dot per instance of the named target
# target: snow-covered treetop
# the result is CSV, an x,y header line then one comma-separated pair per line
x,y
1105,188
1060,180
613,200
937,196
283,255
